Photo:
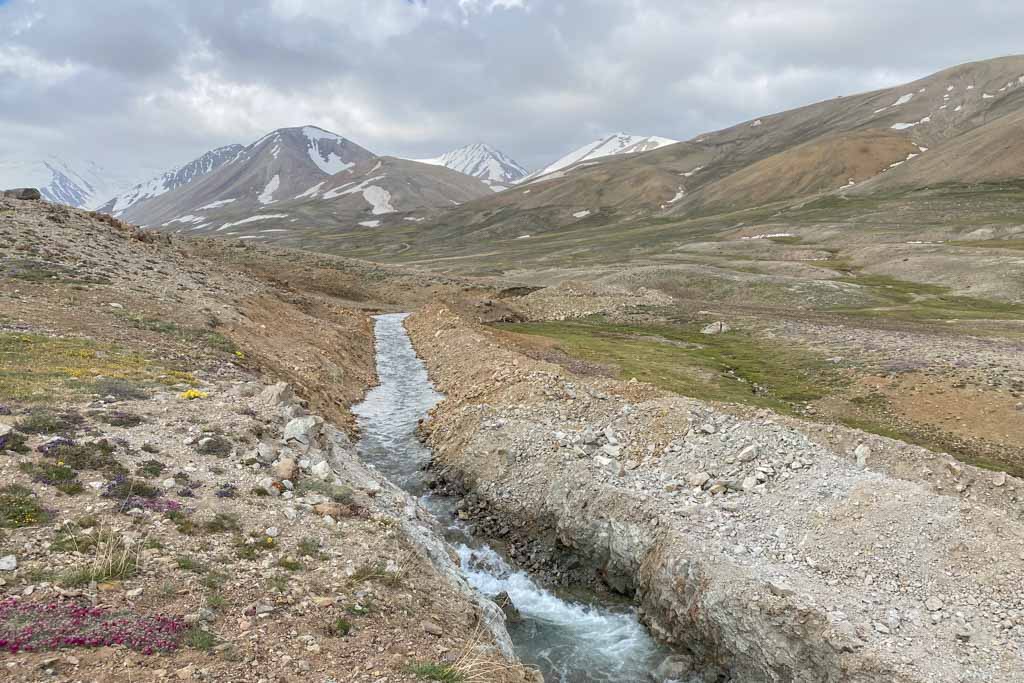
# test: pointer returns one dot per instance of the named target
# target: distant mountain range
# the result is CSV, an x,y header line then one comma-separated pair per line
x,y
78,183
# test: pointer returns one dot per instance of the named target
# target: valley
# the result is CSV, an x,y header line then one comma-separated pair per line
x,y
750,406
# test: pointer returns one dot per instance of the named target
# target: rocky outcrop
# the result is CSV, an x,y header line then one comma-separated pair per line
x,y
759,552
23,193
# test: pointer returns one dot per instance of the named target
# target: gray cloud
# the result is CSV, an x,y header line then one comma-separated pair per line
x,y
147,83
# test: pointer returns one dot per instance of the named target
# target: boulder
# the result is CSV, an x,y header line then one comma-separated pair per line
x,y
321,470
302,430
277,394
23,193
286,469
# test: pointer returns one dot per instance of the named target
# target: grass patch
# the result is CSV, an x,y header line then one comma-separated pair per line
x,y
119,418
915,301
190,565
339,627
190,335
376,571
120,389
19,507
289,564
217,445
60,477
338,493
42,421
93,455
151,469
198,638
734,367
309,547
436,672
115,559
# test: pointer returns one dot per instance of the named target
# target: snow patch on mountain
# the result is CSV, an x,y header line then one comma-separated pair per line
x,y
619,143
327,160
267,196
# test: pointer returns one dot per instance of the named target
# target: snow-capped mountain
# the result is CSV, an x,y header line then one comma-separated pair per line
x,y
619,143
82,184
482,161
293,180
172,179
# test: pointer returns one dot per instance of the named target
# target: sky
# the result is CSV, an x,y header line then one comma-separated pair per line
x,y
143,85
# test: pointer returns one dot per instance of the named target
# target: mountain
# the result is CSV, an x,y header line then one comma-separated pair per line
x,y
81,184
294,182
482,161
612,145
171,180
940,159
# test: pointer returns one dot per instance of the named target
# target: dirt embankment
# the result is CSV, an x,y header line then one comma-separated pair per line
x,y
769,548
163,514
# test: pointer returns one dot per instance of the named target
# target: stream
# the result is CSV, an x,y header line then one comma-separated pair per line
x,y
569,641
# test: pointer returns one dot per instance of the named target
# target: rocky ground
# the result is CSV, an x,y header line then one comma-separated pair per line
x,y
167,511
769,547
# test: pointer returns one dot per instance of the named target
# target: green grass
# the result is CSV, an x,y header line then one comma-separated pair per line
x,y
733,367
916,301
190,335
198,638
35,368
19,507
60,477
436,672
339,627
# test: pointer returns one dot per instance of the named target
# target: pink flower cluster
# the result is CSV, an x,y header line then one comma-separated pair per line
x,y
38,627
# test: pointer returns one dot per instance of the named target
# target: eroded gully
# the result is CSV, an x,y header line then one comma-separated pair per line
x,y
570,641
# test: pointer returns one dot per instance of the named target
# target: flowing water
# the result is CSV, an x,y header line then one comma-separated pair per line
x,y
570,642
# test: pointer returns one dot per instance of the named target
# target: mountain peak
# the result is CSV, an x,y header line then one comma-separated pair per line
x,y
482,161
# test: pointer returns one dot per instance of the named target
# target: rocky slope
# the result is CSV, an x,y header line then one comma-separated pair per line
x,y
171,180
765,553
166,511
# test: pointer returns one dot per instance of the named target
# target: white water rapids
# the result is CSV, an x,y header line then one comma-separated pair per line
x,y
570,642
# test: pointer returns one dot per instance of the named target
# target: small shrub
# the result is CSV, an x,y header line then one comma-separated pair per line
x,y
198,638
188,564
15,441
43,421
260,492
309,547
289,564
151,469
214,580
222,522
122,487
120,389
215,445
119,418
359,609
278,583
216,601
182,522
251,547
150,448
94,455
226,491
339,627
59,476
20,508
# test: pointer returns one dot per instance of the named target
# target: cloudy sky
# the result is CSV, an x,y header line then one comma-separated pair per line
x,y
146,84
